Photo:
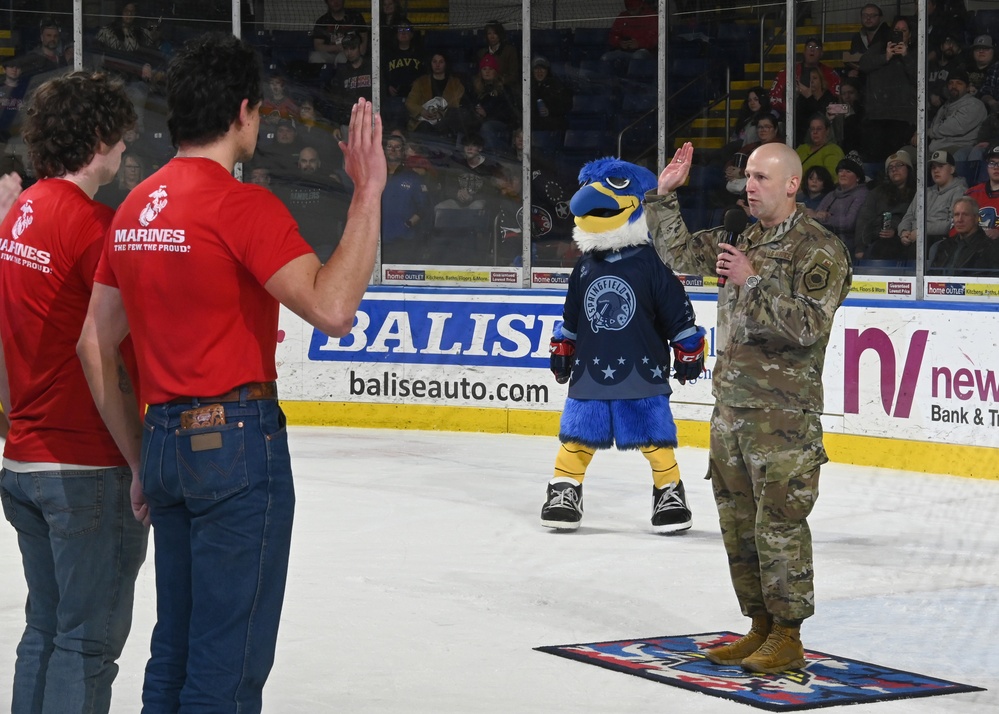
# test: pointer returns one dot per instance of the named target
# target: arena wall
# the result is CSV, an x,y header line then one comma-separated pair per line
x,y
909,385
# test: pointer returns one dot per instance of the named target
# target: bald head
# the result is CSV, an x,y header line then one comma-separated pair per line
x,y
773,175
308,160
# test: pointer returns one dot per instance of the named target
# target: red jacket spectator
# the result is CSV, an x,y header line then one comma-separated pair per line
x,y
638,24
810,58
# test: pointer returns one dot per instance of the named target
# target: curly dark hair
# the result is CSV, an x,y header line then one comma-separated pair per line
x,y
69,116
206,83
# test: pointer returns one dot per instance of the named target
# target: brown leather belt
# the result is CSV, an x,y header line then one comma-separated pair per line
x,y
254,390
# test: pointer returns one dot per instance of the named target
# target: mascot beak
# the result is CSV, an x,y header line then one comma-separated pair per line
x,y
598,208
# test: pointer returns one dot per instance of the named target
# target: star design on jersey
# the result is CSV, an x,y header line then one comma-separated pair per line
x,y
620,360
596,360
657,372
609,373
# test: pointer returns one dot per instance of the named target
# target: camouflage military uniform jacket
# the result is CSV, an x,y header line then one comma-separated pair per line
x,y
771,340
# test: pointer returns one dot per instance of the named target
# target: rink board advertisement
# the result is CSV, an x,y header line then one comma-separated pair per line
x,y
894,369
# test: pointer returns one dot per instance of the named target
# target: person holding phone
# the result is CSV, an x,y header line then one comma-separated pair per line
x,y
890,99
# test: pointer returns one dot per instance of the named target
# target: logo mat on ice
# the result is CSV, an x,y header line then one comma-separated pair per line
x,y
825,681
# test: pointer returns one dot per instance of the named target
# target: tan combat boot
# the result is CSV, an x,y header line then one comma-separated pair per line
x,y
735,652
782,651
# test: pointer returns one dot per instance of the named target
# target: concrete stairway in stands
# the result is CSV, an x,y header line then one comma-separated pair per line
x,y
711,133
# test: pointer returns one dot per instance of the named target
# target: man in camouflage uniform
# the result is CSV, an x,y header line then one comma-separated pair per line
x,y
786,276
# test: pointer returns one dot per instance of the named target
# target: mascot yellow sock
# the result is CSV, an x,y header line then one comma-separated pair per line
x,y
665,470
572,460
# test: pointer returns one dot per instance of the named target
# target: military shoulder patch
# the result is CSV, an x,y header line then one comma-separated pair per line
x,y
817,278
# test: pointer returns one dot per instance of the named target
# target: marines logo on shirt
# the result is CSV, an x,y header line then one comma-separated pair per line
x,y
23,221
153,208
609,304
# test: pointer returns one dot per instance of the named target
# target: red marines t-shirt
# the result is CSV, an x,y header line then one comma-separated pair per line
x,y
50,242
190,250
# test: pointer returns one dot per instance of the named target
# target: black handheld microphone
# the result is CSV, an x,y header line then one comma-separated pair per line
x,y
735,223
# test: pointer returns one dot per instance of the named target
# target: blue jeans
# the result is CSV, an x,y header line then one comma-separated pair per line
x,y
221,500
81,550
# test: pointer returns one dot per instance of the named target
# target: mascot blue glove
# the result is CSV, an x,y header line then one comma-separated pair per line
x,y
688,357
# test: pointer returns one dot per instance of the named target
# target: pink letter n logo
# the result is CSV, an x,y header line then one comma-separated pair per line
x,y
874,339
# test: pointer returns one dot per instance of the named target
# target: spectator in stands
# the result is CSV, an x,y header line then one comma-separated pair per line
x,y
153,147
815,98
873,29
49,55
846,117
276,101
435,101
330,30
943,18
279,152
940,197
989,92
402,64
471,180
983,58
391,17
815,186
351,82
839,209
314,130
11,101
260,176
507,56
970,164
124,34
495,108
986,194
131,172
551,99
317,201
885,207
957,123
406,213
130,52
510,181
938,71
755,105
415,159
820,149
811,58
634,34
890,96
734,170
967,251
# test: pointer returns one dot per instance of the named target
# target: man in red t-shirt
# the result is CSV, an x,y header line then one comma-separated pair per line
x,y
195,265
65,482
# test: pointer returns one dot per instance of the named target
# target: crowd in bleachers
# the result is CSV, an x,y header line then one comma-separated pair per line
x,y
451,98
855,130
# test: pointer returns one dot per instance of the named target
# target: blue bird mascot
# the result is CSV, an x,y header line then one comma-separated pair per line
x,y
624,308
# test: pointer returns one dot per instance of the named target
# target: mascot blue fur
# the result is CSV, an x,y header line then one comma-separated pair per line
x,y
624,309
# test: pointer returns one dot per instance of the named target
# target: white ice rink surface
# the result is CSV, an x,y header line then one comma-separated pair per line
x,y
421,580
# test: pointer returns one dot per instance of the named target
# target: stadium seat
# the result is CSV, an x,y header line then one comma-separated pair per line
x,y
589,43
594,111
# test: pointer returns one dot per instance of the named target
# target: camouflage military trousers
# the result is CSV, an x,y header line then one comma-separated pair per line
x,y
764,470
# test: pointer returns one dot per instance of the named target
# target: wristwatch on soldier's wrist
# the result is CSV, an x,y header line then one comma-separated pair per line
x,y
752,281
